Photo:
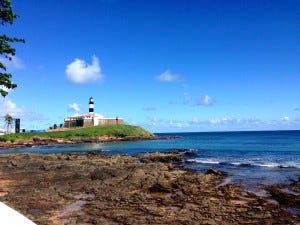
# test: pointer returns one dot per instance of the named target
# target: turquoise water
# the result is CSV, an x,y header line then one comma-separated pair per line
x,y
250,158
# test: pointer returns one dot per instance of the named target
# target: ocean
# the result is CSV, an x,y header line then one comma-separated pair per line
x,y
250,158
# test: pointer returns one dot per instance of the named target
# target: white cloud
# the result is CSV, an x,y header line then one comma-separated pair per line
x,y
220,124
149,108
15,63
178,123
204,100
195,121
7,106
167,123
215,121
224,121
80,72
29,119
133,122
285,118
231,121
186,98
75,107
168,76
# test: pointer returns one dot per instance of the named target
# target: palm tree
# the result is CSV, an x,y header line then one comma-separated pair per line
x,y
8,122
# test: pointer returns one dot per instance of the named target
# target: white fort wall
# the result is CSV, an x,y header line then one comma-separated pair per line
x,y
88,121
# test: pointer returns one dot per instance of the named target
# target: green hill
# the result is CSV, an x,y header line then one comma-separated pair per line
x,y
84,132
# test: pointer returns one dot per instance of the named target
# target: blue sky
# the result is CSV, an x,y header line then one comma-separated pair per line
x,y
168,66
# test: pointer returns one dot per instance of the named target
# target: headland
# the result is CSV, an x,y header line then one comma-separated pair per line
x,y
103,133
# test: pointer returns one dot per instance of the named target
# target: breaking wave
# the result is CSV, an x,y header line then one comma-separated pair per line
x,y
290,164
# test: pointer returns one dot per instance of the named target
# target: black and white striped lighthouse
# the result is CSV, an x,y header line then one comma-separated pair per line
x,y
91,105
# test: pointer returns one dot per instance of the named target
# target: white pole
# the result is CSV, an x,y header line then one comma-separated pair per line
x,y
9,216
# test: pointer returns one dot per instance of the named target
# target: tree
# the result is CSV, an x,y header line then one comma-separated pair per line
x,y
7,17
8,122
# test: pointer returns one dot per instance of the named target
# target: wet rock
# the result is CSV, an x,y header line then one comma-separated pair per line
x,y
191,153
285,196
215,172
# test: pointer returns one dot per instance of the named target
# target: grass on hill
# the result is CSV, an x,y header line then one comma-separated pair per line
x,y
83,132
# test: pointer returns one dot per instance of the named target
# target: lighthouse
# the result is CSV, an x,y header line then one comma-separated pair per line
x,y
91,105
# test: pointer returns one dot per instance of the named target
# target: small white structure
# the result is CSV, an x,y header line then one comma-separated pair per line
x,y
2,131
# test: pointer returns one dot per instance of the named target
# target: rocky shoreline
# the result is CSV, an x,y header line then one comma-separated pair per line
x,y
146,189
38,141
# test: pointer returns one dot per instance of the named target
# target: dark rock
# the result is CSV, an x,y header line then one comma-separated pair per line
x,y
284,197
45,167
191,153
103,173
160,187
12,163
93,153
160,157
38,139
215,172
